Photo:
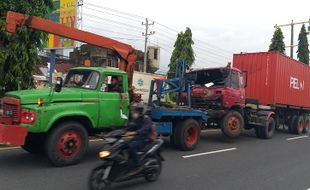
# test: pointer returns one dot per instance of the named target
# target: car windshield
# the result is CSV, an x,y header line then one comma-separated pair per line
x,y
82,79
209,78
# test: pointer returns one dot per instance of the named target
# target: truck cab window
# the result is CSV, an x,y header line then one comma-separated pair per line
x,y
234,80
113,84
82,79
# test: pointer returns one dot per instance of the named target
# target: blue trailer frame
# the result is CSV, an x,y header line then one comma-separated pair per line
x,y
166,127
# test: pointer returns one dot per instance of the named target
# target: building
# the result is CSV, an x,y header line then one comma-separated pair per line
x,y
103,57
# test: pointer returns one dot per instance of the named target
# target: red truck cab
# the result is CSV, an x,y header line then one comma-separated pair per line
x,y
220,92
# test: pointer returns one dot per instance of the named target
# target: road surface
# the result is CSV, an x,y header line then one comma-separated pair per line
x,y
218,163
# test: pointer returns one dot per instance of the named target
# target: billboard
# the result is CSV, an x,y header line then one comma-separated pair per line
x,y
65,12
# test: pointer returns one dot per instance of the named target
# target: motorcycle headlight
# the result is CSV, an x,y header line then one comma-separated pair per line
x,y
104,154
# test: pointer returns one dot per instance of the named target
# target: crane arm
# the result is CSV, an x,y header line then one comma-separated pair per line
x,y
126,52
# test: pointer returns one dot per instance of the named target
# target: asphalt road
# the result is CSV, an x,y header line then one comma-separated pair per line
x,y
218,163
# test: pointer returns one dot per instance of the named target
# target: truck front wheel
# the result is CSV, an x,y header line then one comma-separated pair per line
x,y
66,144
187,134
232,124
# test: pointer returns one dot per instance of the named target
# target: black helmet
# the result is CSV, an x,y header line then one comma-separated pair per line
x,y
138,108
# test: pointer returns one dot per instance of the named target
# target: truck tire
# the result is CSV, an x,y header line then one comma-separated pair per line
x,y
291,124
277,122
34,143
66,144
307,125
232,124
187,135
298,125
266,132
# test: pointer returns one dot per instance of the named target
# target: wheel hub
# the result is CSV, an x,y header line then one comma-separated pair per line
x,y
191,135
69,144
233,123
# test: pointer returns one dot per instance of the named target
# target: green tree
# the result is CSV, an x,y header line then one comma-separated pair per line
x,y
303,46
182,50
277,43
19,52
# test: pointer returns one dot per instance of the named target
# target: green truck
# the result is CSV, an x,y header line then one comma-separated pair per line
x,y
60,123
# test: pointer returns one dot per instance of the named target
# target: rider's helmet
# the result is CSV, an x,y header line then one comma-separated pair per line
x,y
137,110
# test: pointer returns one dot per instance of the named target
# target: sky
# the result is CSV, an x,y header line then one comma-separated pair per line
x,y
220,28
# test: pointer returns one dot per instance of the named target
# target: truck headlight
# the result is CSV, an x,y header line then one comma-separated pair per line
x,y
28,116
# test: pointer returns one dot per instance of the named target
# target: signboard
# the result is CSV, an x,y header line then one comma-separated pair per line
x,y
65,13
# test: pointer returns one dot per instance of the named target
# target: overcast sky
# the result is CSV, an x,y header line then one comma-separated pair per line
x,y
223,27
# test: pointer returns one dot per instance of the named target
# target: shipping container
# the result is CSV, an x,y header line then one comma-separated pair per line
x,y
275,79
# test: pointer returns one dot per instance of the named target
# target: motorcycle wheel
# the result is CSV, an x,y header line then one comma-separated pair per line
x,y
96,182
153,169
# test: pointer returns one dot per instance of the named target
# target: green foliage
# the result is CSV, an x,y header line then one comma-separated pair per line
x,y
303,46
19,52
182,50
277,43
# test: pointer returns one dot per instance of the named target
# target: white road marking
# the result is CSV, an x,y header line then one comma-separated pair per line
x,y
211,152
95,140
210,130
295,138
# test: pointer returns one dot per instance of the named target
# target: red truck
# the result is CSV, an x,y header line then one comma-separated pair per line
x,y
262,91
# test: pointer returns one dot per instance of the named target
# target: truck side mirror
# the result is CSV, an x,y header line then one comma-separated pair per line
x,y
58,85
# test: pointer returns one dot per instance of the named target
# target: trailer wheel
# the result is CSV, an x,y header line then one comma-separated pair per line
x,y
298,125
232,124
266,132
291,124
277,122
187,135
67,144
34,143
307,125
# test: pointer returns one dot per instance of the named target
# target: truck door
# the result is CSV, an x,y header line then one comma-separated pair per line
x,y
110,99
235,95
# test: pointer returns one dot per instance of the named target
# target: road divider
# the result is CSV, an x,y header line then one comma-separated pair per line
x,y
299,137
211,152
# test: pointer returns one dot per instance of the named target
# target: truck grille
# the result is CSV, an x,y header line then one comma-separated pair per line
x,y
202,103
11,108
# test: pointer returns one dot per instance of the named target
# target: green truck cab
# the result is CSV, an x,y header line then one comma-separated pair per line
x,y
60,123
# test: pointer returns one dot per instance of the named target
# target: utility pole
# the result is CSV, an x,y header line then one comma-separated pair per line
x,y
146,35
292,34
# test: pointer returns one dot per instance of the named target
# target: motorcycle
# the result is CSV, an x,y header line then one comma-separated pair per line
x,y
117,164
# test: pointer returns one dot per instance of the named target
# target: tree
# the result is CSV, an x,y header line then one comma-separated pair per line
x,y
19,52
277,43
182,50
303,46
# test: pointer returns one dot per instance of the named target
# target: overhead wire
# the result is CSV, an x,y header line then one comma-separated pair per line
x,y
163,40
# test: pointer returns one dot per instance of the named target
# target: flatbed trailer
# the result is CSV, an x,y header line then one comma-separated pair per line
x,y
183,125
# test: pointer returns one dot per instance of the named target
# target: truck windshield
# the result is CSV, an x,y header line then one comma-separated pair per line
x,y
209,78
82,79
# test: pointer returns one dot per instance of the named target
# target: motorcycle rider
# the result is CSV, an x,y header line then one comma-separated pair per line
x,y
140,127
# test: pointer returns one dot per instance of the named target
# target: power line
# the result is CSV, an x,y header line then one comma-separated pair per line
x,y
114,10
113,21
131,19
169,29
111,31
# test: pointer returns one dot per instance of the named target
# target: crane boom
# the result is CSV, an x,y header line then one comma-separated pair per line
x,y
127,53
